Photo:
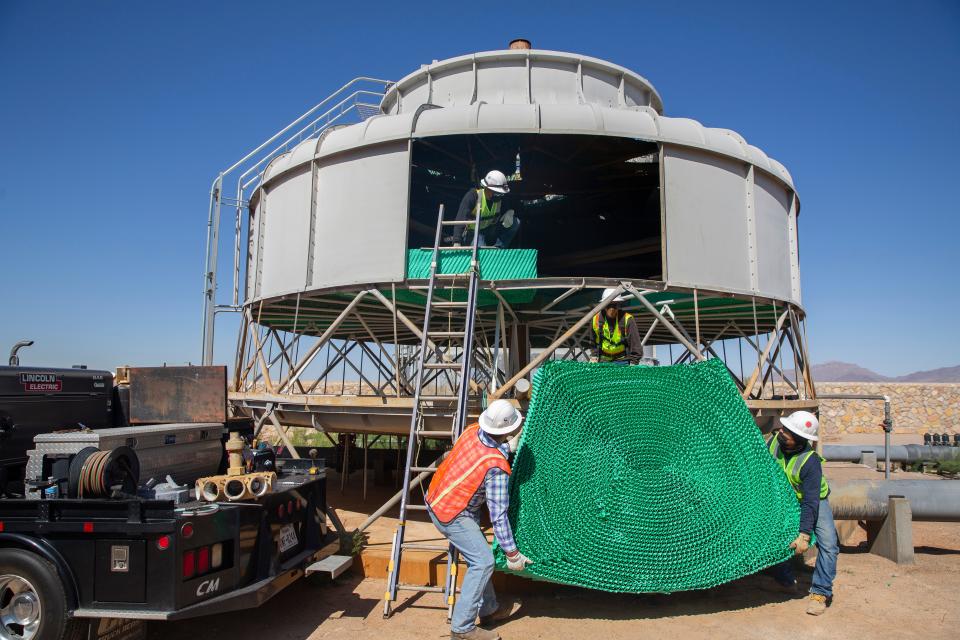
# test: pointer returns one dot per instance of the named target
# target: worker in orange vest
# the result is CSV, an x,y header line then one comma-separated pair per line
x,y
477,470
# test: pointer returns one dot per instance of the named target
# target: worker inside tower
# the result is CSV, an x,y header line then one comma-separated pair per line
x,y
498,225
477,470
792,447
615,333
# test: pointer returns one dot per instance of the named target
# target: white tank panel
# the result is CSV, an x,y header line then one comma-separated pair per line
x,y
286,207
772,210
705,221
361,218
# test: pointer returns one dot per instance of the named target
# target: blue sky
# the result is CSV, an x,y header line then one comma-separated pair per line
x,y
115,117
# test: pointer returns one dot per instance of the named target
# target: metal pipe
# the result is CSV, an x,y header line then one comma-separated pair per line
x,y
896,453
930,500
210,270
887,419
14,358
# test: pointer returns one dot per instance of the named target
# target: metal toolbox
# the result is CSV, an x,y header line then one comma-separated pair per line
x,y
184,451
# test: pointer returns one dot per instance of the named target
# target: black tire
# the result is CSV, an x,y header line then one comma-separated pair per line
x,y
54,619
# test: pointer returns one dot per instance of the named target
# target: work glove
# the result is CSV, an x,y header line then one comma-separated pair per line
x,y
518,561
507,220
801,544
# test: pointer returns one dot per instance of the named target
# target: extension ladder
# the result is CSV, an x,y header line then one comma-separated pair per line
x,y
432,359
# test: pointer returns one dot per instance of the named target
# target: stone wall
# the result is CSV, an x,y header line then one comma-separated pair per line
x,y
916,408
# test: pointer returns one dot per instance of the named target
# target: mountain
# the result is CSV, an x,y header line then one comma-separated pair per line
x,y
848,372
945,374
845,372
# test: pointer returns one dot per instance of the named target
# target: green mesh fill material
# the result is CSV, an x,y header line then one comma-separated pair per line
x,y
645,479
495,264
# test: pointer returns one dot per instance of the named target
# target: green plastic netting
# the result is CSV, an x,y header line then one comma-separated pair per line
x,y
645,479
495,264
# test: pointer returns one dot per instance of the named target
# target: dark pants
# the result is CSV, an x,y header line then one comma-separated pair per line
x,y
496,235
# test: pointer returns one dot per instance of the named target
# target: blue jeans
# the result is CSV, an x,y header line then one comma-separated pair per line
x,y
828,547
476,592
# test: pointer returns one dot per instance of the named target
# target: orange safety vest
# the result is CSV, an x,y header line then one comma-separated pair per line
x,y
461,474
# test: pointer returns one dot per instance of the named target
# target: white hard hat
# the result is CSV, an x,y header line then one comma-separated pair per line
x,y
496,181
803,424
500,418
608,292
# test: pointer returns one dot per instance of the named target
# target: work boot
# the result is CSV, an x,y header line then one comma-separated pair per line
x,y
475,634
817,604
503,612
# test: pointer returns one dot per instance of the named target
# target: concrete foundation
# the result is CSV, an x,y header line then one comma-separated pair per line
x,y
894,536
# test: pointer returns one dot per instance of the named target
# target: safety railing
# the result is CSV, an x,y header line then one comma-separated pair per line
x,y
353,102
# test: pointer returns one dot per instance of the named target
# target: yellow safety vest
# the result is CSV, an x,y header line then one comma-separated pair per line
x,y
792,468
612,343
488,211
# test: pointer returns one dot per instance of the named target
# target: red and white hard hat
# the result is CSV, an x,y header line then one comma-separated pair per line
x,y
496,181
803,424
500,418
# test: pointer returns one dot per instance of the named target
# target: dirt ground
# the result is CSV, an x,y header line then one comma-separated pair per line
x,y
874,598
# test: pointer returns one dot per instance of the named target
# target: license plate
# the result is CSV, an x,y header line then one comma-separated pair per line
x,y
288,537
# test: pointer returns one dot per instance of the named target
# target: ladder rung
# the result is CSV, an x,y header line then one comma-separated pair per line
x,y
435,434
445,334
441,365
455,223
422,470
438,398
451,276
420,546
466,247
450,287
413,587
444,304
417,507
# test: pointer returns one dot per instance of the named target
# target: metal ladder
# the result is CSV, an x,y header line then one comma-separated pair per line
x,y
457,402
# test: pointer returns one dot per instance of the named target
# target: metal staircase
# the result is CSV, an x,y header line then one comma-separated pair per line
x,y
433,358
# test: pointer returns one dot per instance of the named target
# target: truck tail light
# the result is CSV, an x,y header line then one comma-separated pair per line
x,y
216,555
203,560
163,543
189,566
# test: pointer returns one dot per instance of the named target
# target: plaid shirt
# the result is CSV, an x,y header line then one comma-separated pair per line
x,y
496,494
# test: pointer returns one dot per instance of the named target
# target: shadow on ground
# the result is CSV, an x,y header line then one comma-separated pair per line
x,y
293,614
573,602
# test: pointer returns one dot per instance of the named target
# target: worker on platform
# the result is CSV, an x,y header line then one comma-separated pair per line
x,y
476,471
496,229
615,333
793,448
